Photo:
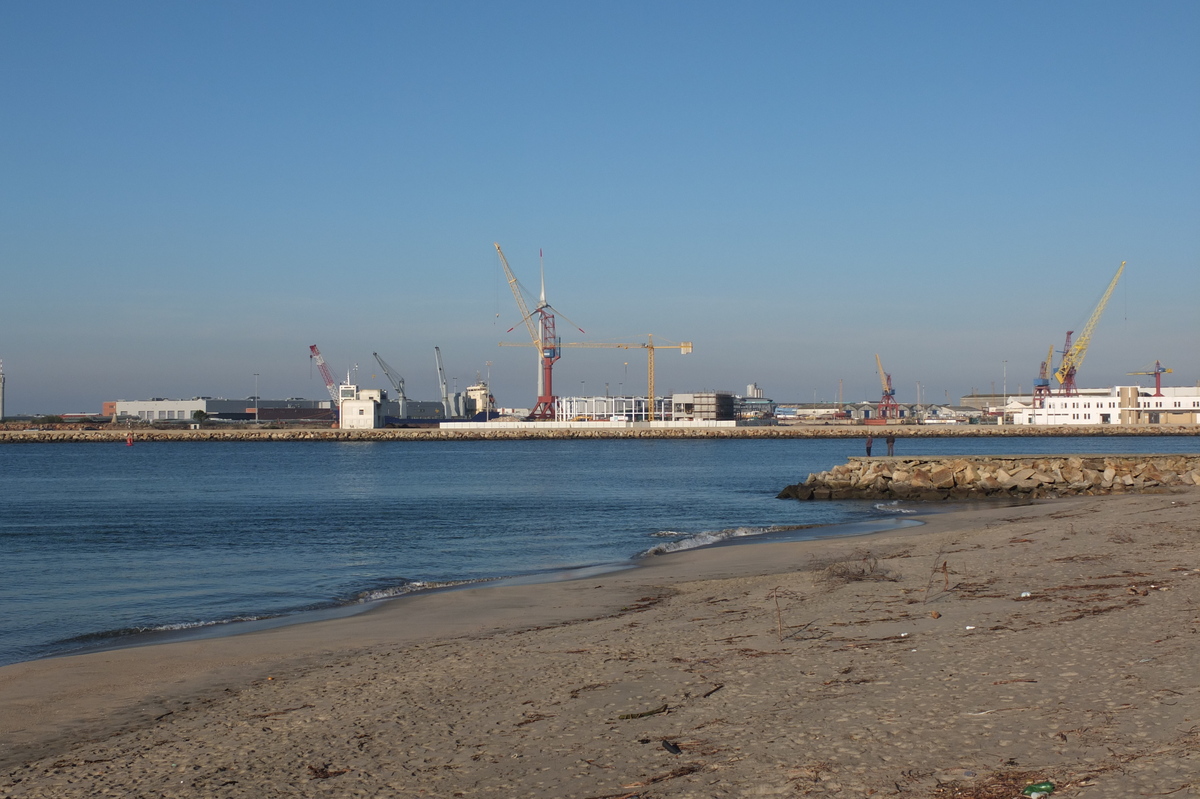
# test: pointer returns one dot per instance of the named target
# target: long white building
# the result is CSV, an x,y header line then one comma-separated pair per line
x,y
1123,405
160,409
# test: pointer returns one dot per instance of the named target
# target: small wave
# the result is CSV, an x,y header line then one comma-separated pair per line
x,y
892,507
105,635
393,591
668,534
697,540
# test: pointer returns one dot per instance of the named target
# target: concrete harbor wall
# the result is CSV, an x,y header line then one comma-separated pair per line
x,y
1032,476
452,432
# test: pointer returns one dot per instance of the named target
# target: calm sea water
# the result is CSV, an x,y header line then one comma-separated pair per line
x,y
103,544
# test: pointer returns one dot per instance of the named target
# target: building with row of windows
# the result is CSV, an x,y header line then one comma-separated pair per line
x,y
160,409
1122,405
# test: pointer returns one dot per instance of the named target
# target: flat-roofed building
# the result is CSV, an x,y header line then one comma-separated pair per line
x,y
160,409
1121,405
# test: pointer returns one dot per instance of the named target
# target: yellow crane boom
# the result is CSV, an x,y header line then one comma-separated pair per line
x,y
526,316
1073,357
885,379
684,348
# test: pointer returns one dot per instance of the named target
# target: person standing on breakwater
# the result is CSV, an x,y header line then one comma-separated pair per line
x,y
891,442
870,441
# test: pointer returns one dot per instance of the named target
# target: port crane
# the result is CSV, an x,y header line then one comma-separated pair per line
x,y
542,334
447,408
397,383
1158,371
1073,354
1041,386
330,386
888,409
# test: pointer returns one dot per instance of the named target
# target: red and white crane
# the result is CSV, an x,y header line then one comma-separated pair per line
x,y
330,386
543,336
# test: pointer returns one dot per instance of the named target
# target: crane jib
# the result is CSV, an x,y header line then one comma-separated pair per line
x,y
1073,357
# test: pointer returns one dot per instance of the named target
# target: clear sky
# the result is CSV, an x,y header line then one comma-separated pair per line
x,y
192,193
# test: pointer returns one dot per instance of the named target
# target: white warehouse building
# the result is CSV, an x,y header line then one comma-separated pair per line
x,y
1122,405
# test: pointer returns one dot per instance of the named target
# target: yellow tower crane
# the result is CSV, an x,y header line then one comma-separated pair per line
x,y
684,347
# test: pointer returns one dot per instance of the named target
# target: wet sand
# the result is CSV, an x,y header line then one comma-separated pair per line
x,y
990,648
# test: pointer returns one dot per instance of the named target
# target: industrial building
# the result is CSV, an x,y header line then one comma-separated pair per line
x,y
1121,405
352,407
159,409
360,408
697,406
708,405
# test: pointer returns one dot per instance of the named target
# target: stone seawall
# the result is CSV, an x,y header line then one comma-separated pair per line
x,y
1032,476
13,436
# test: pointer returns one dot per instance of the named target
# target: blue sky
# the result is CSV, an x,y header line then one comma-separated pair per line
x,y
191,193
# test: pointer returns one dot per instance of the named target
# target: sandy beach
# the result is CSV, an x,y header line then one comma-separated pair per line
x,y
991,648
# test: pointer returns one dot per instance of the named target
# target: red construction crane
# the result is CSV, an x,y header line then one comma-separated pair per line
x,y
542,334
1158,372
330,386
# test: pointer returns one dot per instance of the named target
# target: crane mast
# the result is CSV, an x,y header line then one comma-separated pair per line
x,y
1073,354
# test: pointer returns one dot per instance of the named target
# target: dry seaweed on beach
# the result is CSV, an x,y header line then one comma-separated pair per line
x,y
1000,785
656,711
862,567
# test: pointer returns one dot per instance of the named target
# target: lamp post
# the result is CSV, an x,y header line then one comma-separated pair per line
x,y
1002,410
256,397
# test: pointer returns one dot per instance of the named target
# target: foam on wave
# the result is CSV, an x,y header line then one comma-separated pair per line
x,y
708,538
892,507
392,591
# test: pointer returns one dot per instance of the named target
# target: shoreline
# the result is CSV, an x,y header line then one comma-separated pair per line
x,y
223,628
182,655
467,664
314,434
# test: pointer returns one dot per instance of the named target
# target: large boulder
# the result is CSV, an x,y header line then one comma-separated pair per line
x,y
942,478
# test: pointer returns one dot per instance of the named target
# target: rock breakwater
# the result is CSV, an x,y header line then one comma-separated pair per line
x,y
1014,475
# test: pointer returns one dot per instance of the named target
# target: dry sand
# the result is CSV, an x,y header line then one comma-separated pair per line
x,y
853,667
